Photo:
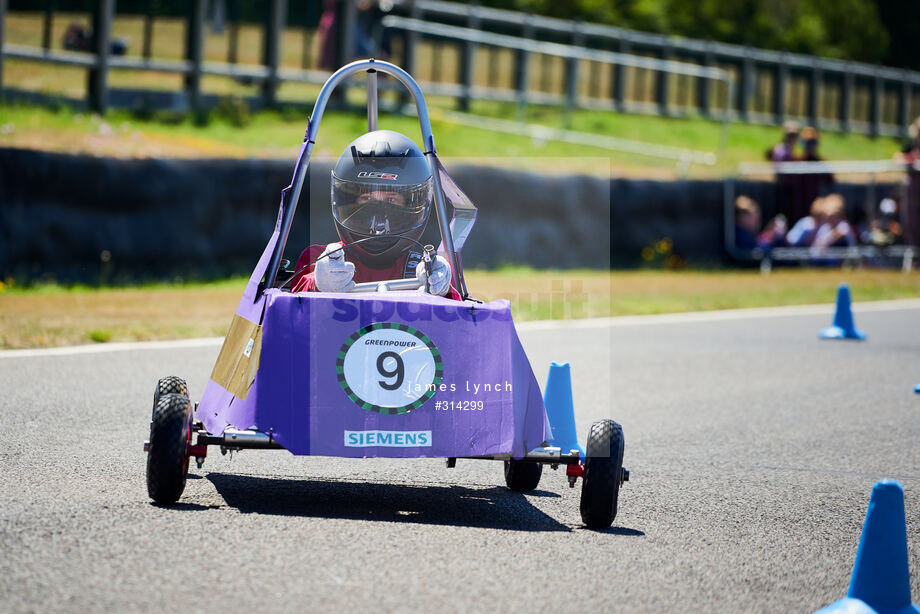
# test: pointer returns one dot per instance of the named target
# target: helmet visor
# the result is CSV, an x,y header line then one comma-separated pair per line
x,y
371,209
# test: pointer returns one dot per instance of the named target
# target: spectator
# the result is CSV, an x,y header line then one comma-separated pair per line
x,y
747,222
835,231
802,234
910,211
785,150
812,185
788,185
910,153
370,39
885,228
327,32
748,234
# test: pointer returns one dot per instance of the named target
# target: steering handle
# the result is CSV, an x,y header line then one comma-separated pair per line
x,y
411,283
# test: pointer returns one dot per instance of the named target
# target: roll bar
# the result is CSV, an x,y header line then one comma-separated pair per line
x,y
291,195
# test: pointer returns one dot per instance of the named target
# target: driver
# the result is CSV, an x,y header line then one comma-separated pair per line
x,y
381,201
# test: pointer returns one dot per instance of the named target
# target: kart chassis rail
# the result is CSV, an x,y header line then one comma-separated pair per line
x,y
237,439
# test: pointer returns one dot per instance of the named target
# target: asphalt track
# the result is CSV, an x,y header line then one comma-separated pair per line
x,y
753,448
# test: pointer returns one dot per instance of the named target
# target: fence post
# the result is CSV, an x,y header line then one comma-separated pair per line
x,y
779,92
522,67
148,31
467,62
97,87
233,31
275,18
571,85
47,24
746,91
875,117
194,52
664,81
410,42
306,51
619,80
814,91
846,98
904,103
704,84
2,30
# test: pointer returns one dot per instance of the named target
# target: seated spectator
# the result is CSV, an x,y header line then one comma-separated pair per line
x,y
885,229
835,231
802,234
747,222
774,233
748,234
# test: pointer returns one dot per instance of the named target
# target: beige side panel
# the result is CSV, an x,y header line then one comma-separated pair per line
x,y
239,357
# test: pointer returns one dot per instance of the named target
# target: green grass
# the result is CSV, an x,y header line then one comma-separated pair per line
x,y
272,134
744,143
50,315
100,335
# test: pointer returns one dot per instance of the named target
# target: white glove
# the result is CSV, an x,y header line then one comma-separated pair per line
x,y
439,283
332,272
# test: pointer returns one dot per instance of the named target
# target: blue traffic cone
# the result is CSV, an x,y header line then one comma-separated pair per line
x,y
843,326
881,578
557,398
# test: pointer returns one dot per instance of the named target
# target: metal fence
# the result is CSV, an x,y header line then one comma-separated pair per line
x,y
99,60
772,86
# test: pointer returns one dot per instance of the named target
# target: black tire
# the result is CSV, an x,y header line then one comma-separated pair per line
x,y
603,474
169,385
167,455
522,476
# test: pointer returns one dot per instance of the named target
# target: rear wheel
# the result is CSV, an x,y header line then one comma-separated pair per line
x,y
167,455
603,474
522,476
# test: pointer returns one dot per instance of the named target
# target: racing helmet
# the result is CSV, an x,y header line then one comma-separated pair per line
x,y
381,195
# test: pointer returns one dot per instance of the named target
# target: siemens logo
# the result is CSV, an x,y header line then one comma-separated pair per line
x,y
388,439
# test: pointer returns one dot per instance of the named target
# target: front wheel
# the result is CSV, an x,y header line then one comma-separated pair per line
x,y
603,474
167,455
169,385
522,476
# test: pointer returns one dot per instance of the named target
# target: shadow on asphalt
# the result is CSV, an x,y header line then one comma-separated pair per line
x,y
185,506
494,508
618,531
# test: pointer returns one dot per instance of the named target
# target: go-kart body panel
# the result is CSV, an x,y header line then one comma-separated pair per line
x,y
481,400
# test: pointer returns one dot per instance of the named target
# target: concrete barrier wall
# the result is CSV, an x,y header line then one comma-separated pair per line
x,y
205,218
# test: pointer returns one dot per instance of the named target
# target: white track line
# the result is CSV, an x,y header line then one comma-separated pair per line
x,y
101,348
722,315
718,315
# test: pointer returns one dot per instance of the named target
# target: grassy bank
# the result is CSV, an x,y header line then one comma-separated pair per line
x,y
53,316
272,134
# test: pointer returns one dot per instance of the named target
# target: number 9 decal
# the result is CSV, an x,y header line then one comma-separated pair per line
x,y
389,368
398,372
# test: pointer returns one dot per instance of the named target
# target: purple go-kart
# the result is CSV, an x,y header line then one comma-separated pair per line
x,y
384,370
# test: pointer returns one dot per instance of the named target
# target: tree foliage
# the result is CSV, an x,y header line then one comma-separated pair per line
x,y
846,29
